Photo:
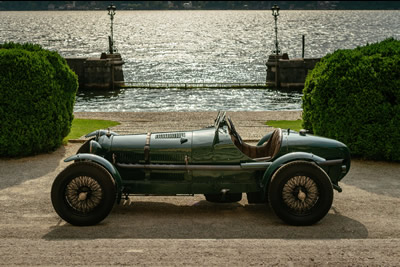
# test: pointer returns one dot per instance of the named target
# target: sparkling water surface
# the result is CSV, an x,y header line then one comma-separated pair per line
x,y
196,46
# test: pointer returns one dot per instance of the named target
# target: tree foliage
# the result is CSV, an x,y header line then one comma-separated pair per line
x,y
354,96
37,94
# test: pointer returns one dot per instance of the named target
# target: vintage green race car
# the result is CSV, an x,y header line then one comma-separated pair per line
x,y
292,171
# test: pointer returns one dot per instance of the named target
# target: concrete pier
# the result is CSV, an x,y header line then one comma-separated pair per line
x,y
104,73
292,73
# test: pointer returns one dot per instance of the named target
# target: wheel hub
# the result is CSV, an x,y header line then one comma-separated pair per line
x,y
300,193
82,196
83,193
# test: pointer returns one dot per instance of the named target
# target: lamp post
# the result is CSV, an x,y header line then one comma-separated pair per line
x,y
111,12
275,13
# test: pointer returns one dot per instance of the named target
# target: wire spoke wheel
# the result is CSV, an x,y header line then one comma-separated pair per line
x,y
83,194
300,194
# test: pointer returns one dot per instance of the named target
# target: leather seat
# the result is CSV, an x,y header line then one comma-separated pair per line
x,y
264,152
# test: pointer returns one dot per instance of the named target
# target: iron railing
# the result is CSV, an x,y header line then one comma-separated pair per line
x,y
193,85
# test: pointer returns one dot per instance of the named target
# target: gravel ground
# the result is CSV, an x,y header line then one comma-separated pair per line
x,y
361,229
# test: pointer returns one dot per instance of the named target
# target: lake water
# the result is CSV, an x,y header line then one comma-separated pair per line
x,y
196,46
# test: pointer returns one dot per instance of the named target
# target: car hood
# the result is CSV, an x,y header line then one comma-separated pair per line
x,y
182,147
166,147
321,146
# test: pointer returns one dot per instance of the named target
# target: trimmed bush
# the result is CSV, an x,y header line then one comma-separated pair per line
x,y
37,94
354,96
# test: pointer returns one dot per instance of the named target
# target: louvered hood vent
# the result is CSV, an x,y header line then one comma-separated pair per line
x,y
170,135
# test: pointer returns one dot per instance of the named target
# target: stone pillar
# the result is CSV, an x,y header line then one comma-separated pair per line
x,y
271,69
117,75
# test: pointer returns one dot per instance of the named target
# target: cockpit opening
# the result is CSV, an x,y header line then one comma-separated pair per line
x,y
264,152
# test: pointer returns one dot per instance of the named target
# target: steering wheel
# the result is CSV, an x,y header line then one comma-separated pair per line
x,y
233,131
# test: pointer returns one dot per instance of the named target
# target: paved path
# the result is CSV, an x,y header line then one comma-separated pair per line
x,y
361,229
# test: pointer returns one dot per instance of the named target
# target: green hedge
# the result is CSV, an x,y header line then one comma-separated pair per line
x,y
37,94
354,96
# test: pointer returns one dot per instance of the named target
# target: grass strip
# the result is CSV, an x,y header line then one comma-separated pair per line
x,y
81,127
293,125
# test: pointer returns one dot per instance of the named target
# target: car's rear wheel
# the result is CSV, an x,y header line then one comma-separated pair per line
x,y
227,198
83,193
300,193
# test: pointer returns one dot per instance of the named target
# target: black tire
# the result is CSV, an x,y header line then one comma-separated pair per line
x,y
256,198
83,193
228,198
290,203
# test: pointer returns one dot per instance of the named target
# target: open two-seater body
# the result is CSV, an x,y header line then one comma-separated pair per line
x,y
295,172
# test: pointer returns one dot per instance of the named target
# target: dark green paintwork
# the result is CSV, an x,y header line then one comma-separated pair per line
x,y
208,146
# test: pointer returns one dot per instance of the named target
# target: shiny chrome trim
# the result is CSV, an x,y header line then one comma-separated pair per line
x,y
194,167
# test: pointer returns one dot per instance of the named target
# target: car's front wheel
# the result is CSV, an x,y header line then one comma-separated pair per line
x,y
83,193
300,193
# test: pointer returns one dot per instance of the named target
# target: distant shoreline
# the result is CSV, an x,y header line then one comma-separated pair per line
x,y
124,10
196,5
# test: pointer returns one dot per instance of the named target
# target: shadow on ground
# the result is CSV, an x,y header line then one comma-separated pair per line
x,y
16,171
377,177
204,220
